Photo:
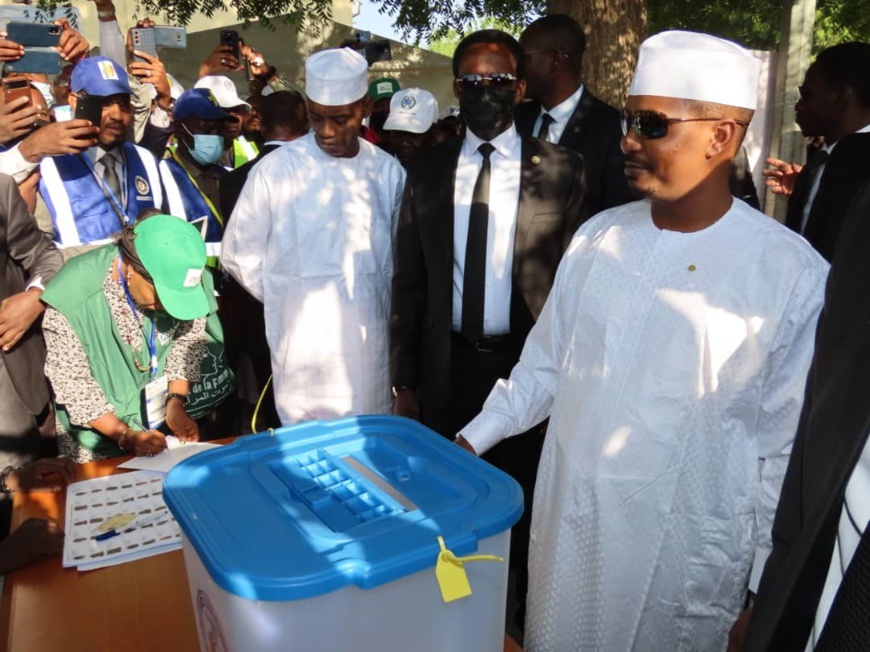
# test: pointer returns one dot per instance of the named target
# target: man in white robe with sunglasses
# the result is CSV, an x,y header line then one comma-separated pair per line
x,y
671,358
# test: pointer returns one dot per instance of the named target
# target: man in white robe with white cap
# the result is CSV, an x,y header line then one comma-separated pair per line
x,y
311,237
671,358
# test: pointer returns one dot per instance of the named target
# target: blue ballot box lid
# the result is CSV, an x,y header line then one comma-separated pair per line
x,y
312,508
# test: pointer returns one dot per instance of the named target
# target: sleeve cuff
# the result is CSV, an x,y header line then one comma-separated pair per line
x,y
486,430
13,163
35,283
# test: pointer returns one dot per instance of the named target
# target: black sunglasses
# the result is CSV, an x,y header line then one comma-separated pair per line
x,y
652,124
501,80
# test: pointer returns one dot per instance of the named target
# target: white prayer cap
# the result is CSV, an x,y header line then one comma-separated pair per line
x,y
692,66
224,91
413,110
336,77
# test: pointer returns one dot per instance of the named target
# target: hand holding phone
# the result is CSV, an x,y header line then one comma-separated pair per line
x,y
220,60
10,50
43,35
90,107
15,88
16,119
143,41
230,38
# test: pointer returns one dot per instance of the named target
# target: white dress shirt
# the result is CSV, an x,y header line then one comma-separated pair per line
x,y
504,198
561,113
814,189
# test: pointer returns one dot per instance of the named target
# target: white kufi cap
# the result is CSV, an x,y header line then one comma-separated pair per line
x,y
700,67
336,77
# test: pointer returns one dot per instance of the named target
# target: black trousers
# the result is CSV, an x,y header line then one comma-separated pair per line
x,y
473,374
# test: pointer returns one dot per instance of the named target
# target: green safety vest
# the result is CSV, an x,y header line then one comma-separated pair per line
x,y
243,151
76,292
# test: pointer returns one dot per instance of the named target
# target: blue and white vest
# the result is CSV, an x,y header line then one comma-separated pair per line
x,y
183,199
81,213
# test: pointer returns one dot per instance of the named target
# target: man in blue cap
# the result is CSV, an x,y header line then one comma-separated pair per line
x,y
191,175
92,195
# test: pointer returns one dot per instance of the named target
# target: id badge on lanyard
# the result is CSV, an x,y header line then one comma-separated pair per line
x,y
155,392
155,401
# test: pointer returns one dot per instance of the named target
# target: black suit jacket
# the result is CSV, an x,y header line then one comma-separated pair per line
x,y
846,170
594,132
551,207
25,252
831,436
233,182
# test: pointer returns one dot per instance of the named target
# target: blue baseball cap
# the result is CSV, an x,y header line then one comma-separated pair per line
x,y
199,103
99,76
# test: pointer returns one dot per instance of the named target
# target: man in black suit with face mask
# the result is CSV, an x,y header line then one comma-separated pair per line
x,y
485,220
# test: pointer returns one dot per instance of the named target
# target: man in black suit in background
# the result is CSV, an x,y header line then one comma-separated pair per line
x,y
284,118
484,222
28,260
834,104
816,583
564,112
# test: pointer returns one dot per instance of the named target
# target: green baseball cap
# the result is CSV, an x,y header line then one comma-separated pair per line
x,y
383,88
173,253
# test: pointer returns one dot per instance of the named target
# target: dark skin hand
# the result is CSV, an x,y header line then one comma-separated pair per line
x,y
179,421
222,59
17,314
406,404
16,119
49,474
10,50
57,138
73,46
35,540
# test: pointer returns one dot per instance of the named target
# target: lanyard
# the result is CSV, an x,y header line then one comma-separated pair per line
x,y
114,202
208,201
152,343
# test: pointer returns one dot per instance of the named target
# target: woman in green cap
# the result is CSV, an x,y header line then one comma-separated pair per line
x,y
125,333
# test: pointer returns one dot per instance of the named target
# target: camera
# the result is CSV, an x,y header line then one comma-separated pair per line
x,y
374,51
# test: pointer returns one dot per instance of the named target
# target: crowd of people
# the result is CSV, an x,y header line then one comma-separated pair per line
x,y
585,296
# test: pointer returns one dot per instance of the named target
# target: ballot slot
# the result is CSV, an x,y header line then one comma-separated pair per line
x,y
343,495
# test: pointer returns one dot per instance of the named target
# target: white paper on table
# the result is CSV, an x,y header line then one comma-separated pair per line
x,y
175,451
91,502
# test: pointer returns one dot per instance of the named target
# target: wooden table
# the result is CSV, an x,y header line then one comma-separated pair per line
x,y
140,606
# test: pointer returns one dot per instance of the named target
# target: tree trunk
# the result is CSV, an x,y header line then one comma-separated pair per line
x,y
614,31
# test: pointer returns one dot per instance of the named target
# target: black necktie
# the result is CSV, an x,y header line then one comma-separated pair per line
x,y
847,628
474,276
546,121
801,193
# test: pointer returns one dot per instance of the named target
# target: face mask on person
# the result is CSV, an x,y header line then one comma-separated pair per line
x,y
487,111
207,148
44,90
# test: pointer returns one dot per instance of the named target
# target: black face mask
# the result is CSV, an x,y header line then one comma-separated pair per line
x,y
377,120
487,111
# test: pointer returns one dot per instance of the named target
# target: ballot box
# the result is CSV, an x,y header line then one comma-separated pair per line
x,y
366,533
